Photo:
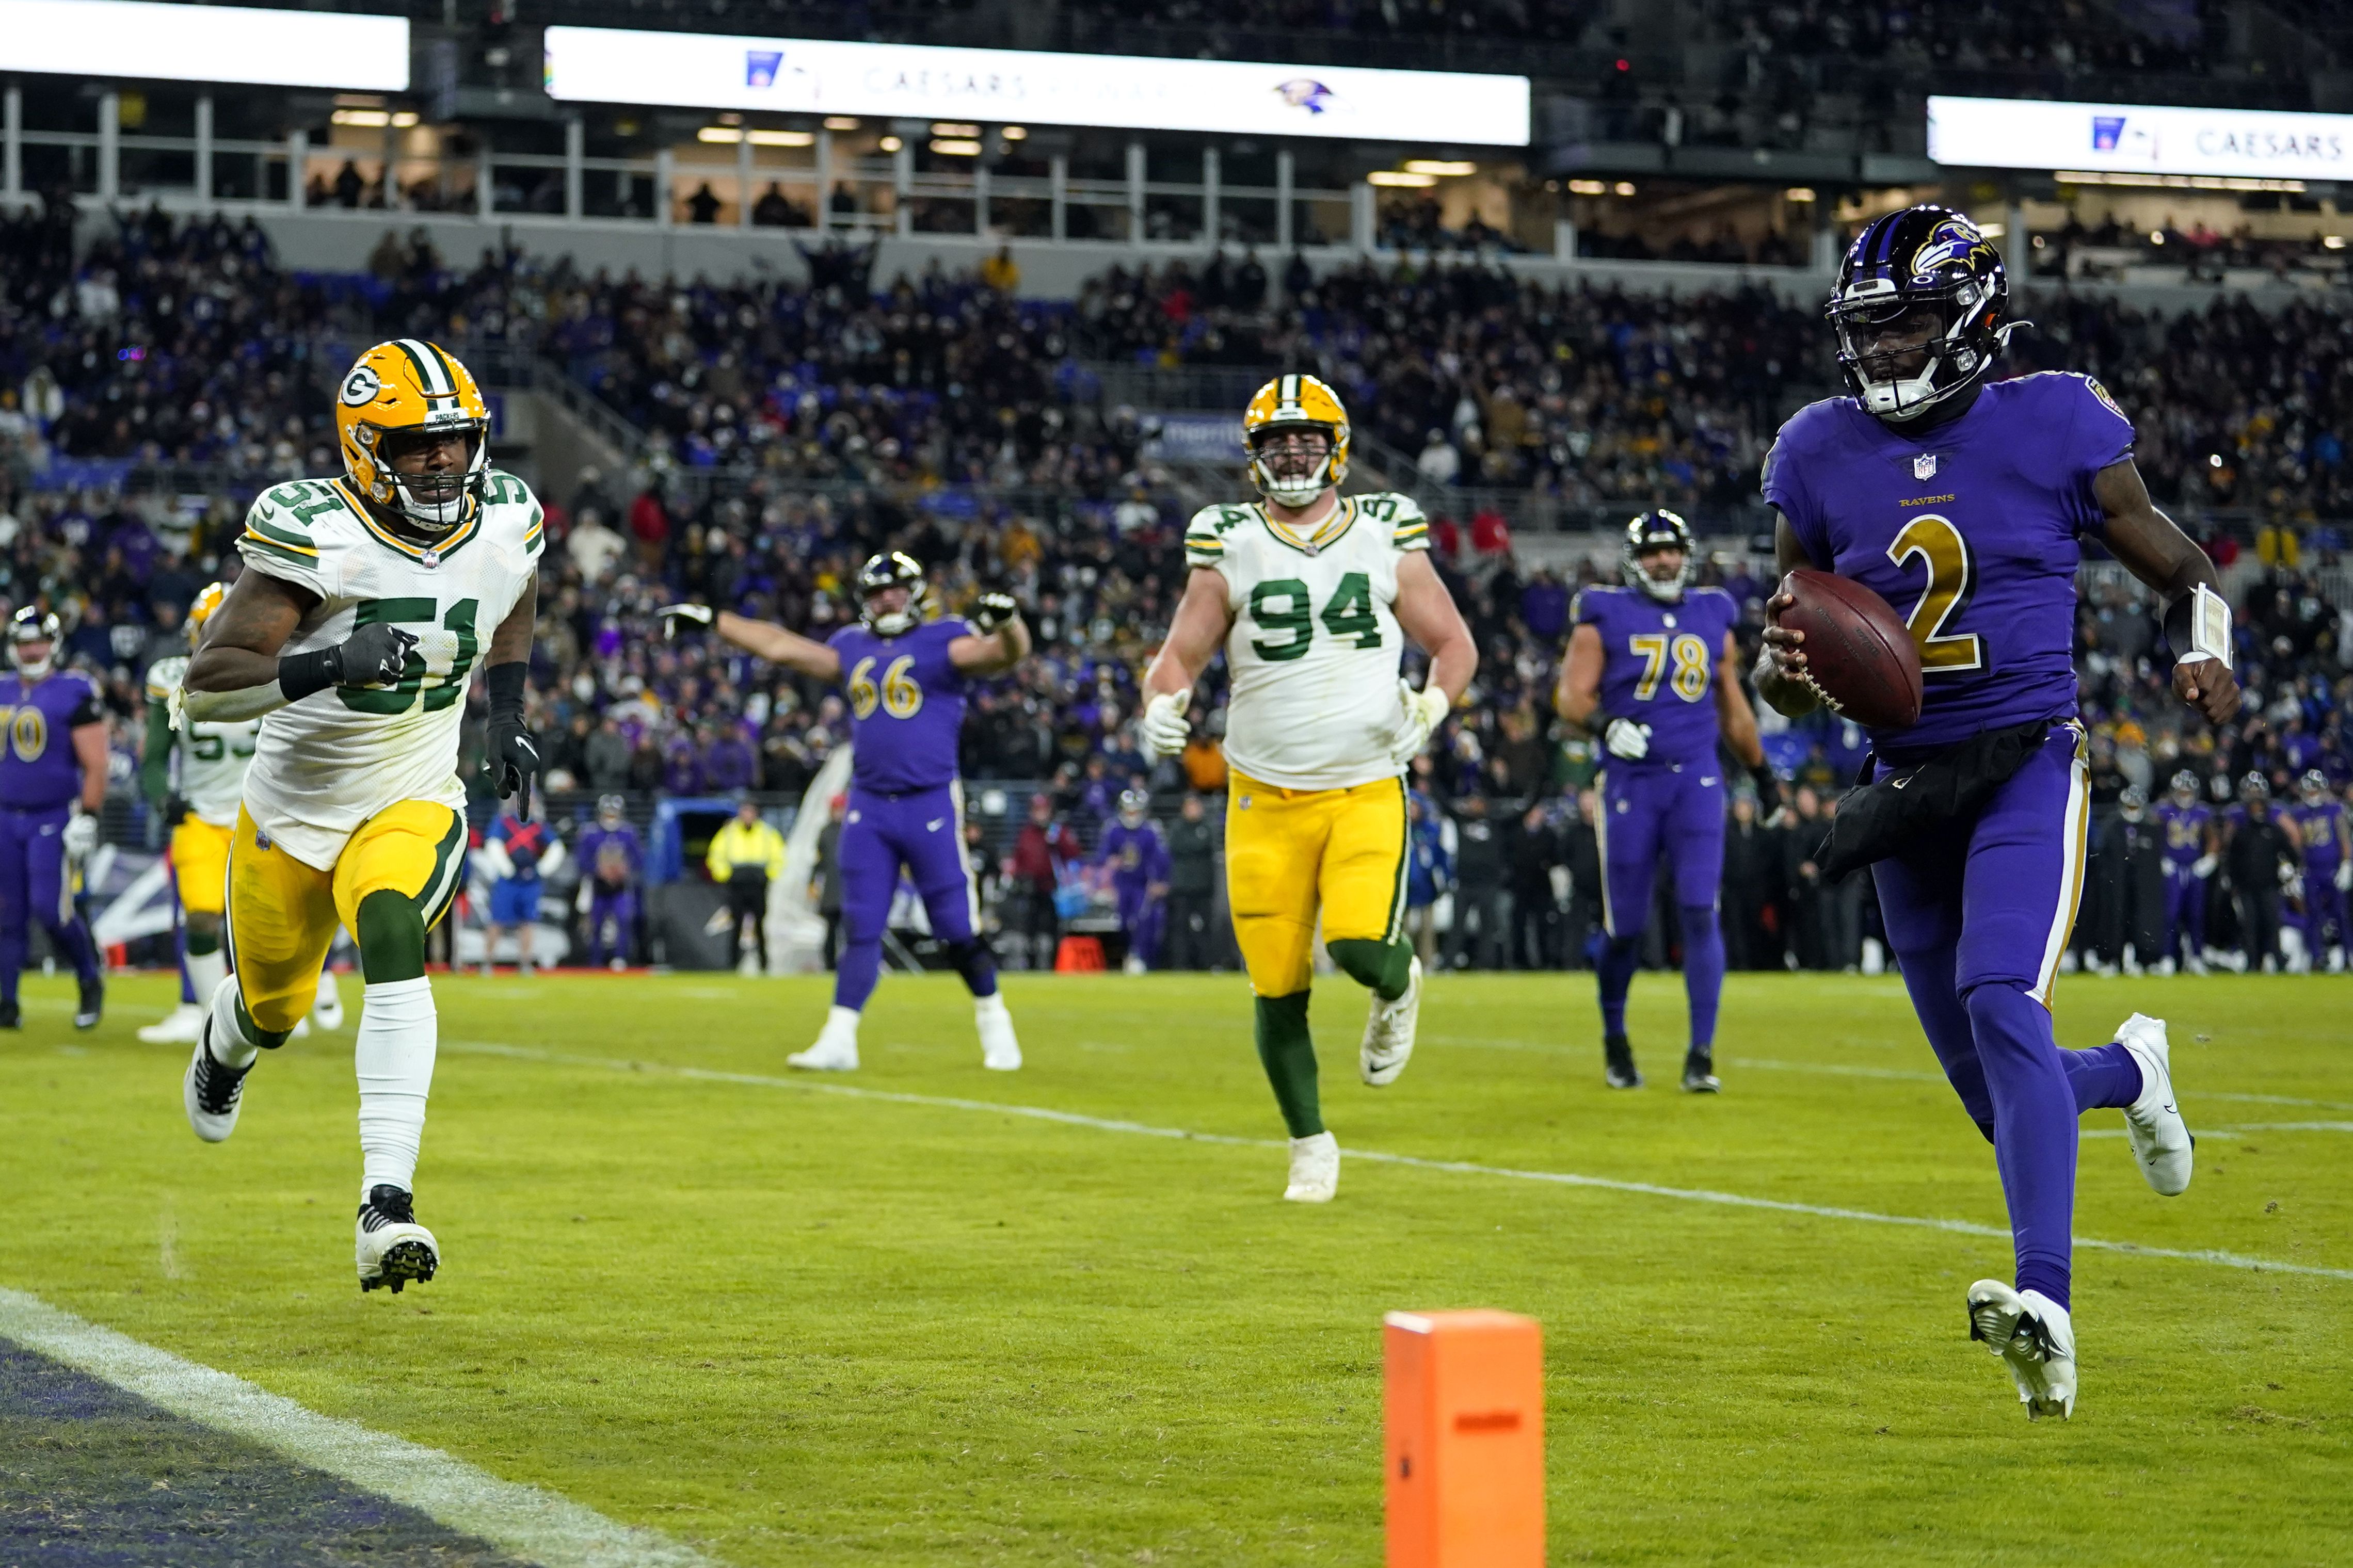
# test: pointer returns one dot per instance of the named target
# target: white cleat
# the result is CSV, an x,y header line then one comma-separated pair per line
x,y
1001,1048
1314,1170
1388,1033
837,1045
2160,1139
211,1092
301,1030
180,1026
327,1011
2033,1335
392,1248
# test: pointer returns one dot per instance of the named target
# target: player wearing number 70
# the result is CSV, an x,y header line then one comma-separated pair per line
x,y
366,602
1651,671
1310,594
1965,499
905,678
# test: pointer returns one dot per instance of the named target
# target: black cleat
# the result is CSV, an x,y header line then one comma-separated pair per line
x,y
392,1248
92,1007
12,1017
1699,1073
1617,1063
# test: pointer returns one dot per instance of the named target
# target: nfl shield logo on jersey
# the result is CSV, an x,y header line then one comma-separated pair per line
x,y
1924,467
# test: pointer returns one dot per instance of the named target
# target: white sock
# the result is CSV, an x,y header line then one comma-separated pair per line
x,y
989,1006
329,994
231,1045
841,1020
399,1032
205,972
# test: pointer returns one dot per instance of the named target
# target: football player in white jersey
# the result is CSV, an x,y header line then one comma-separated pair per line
x,y
208,780
1310,594
366,602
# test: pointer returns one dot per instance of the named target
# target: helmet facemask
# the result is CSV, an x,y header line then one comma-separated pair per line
x,y
1905,353
1289,465
27,632
435,500
878,576
1647,535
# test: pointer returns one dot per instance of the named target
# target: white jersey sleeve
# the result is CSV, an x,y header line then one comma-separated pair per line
x,y
1315,647
327,763
281,537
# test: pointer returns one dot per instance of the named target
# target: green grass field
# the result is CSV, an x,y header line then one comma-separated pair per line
x,y
798,1326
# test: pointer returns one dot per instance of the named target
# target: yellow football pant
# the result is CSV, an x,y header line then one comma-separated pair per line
x,y
1290,853
283,914
200,865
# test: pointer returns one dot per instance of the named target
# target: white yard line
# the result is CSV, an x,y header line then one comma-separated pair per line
x,y
816,1085
530,1523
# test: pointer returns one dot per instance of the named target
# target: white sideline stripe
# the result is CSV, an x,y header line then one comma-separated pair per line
x,y
524,1520
1456,1167
2242,1129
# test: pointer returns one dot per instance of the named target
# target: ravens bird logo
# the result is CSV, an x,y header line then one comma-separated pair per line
x,y
1953,241
1305,92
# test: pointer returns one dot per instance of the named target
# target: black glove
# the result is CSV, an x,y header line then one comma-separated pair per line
x,y
514,750
995,609
373,655
1769,791
700,617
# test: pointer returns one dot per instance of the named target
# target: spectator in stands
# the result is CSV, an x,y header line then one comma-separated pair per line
x,y
1033,874
1192,888
825,884
1478,939
746,856
1001,272
1535,854
704,206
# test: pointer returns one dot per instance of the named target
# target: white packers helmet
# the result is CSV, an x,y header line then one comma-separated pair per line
x,y
1292,403
400,391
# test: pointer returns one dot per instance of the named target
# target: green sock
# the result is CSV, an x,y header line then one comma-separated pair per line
x,y
1288,1053
1384,967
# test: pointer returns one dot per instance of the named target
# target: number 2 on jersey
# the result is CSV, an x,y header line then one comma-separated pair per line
x,y
1936,541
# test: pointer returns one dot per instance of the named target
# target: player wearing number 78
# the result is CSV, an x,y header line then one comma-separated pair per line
x,y
1310,594
366,602
1965,499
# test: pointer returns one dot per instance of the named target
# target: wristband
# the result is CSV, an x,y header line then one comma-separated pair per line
x,y
2197,625
300,674
506,683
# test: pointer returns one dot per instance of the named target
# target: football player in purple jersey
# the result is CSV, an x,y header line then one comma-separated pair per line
x,y
2191,847
52,782
905,680
2326,844
1963,500
1653,673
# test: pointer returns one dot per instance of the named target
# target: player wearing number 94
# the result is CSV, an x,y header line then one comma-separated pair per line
x,y
367,600
1310,594
1962,501
905,678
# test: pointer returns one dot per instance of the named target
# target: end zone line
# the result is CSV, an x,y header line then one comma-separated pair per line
x,y
1456,1167
536,1525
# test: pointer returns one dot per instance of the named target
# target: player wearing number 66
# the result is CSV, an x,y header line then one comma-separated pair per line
x,y
905,676
1966,498
1312,593
367,600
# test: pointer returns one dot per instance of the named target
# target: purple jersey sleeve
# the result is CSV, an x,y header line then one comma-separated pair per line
x,y
1785,481
2098,437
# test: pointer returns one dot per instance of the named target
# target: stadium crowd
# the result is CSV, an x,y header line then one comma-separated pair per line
x,y
1636,399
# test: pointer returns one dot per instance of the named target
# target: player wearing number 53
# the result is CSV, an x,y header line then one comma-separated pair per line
x,y
1966,498
1651,671
905,677
367,600
1310,594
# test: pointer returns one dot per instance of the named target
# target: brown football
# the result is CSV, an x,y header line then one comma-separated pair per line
x,y
1857,649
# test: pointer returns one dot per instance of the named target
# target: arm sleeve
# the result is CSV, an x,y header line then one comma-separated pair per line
x,y
87,708
277,543
716,862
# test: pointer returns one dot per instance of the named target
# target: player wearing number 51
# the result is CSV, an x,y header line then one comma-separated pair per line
x,y
368,598
1310,594
1653,673
1966,498
905,678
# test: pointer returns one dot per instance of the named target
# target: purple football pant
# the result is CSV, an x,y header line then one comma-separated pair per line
x,y
1677,808
922,831
1978,918
2324,911
34,887
1142,919
2185,914
612,917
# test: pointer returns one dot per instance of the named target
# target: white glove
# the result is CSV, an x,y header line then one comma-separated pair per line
x,y
1627,738
2345,876
81,834
699,615
1164,730
1423,711
2287,874
2203,867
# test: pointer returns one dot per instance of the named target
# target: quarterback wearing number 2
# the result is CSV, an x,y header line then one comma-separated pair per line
x,y
1962,500
366,602
1310,594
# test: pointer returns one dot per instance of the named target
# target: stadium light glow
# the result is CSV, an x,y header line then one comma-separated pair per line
x,y
1797,193
729,135
891,143
2138,139
1015,133
842,122
955,128
808,76
1443,168
363,117
1400,177
2176,181
956,147
1588,187
134,40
